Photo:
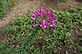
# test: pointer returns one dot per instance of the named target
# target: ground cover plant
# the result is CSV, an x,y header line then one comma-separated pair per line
x,y
26,38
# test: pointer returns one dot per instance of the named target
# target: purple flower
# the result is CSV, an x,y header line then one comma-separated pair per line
x,y
49,17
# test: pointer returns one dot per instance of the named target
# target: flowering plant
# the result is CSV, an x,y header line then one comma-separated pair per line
x,y
48,15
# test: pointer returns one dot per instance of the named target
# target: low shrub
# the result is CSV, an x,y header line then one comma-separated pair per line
x,y
23,38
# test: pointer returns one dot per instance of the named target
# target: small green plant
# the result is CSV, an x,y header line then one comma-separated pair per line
x,y
23,38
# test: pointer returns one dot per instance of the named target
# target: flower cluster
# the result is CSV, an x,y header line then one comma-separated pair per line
x,y
49,20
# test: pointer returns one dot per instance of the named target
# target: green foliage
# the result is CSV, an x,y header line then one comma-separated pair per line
x,y
80,48
4,6
25,39
80,39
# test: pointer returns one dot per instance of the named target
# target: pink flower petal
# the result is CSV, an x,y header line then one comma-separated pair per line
x,y
34,24
53,23
33,17
43,24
